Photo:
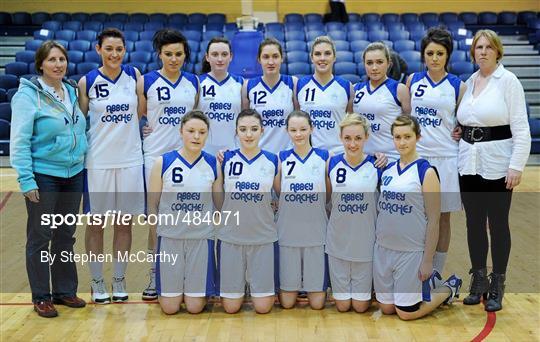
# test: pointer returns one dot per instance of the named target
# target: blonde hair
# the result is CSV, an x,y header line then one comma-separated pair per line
x,y
321,40
352,119
494,41
406,120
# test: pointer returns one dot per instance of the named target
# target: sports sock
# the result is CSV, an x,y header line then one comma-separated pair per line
x,y
439,259
119,268
96,270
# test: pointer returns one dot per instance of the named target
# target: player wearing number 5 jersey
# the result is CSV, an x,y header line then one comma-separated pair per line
x,y
247,250
325,97
114,162
220,97
185,184
272,95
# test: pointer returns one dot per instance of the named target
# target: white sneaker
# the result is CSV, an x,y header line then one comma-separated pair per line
x,y
119,290
99,294
150,292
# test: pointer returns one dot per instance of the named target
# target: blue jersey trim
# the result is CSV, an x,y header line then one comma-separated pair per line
x,y
417,77
303,161
288,80
302,83
456,83
252,83
345,84
188,164
392,86
324,154
149,79
433,84
212,161
358,86
226,157
320,86
423,166
168,159
334,161
273,158
192,78
367,159
90,79
283,155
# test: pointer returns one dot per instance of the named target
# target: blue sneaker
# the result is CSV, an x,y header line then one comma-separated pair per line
x,y
434,281
454,284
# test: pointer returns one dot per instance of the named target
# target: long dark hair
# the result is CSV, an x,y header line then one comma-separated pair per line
x,y
438,35
299,114
170,36
205,65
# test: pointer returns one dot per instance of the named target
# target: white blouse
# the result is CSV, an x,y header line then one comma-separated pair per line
x,y
501,102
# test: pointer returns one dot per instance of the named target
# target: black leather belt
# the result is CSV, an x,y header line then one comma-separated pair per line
x,y
479,134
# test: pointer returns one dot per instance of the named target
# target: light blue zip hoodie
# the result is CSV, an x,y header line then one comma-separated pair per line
x,y
45,137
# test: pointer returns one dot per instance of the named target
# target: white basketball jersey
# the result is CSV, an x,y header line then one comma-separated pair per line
x,y
302,213
351,228
380,106
166,103
327,106
434,105
113,134
221,102
186,193
274,104
248,185
402,220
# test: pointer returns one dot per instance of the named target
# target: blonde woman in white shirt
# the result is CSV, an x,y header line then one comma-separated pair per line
x,y
493,151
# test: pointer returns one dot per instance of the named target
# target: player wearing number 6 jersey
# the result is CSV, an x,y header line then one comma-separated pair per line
x,y
220,96
248,248
183,183
351,229
302,216
272,95
325,97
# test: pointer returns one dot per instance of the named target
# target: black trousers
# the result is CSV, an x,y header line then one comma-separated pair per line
x,y
56,196
486,201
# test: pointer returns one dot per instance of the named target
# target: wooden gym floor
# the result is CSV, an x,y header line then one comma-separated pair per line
x,y
137,320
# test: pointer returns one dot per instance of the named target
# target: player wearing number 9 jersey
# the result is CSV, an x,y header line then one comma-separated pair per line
x,y
248,247
220,97
325,97
380,100
272,95
185,184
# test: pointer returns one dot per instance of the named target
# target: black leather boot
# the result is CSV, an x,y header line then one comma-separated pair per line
x,y
496,292
479,287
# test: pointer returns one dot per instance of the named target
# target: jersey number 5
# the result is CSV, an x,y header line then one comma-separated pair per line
x,y
420,90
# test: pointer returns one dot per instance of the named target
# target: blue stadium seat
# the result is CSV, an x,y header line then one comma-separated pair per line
x,y
25,56
525,16
393,27
3,98
359,45
390,18
86,35
245,45
193,35
487,18
9,81
459,68
131,35
203,45
414,66
370,17
344,56
122,17
429,24
388,43
208,35
455,25
5,18
429,17
5,109
356,35
462,45
415,26
130,46
65,35
338,35
52,25
374,26
16,68
293,18
534,125
75,56
464,77
80,16
295,45
139,66
92,57
32,45
139,18
274,27
231,27
403,45
410,56
295,35
62,42
159,17
334,26
114,24
354,26
43,34
72,25
507,18
61,17
71,69
283,69
353,78
79,45
279,35
153,66
409,18
313,18
135,26
100,17
298,68
398,35
355,18
193,58
374,36
10,93
469,18
153,26
416,34
342,45
86,67
32,68
458,56
294,26
144,45
194,27
297,57
216,27
216,18
21,18
5,128
311,35
315,27
193,45
147,35
341,68
448,17
197,18
178,18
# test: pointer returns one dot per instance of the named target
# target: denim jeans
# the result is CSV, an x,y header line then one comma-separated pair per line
x,y
56,196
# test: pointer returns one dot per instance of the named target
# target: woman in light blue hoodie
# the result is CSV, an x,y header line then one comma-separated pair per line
x,y
47,149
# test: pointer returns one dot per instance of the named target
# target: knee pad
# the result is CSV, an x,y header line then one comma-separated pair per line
x,y
411,308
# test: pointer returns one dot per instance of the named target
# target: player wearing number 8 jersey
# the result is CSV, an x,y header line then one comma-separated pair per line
x,y
325,97
220,97
183,183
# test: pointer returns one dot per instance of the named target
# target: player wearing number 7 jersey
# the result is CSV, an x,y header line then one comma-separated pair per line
x,y
183,184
